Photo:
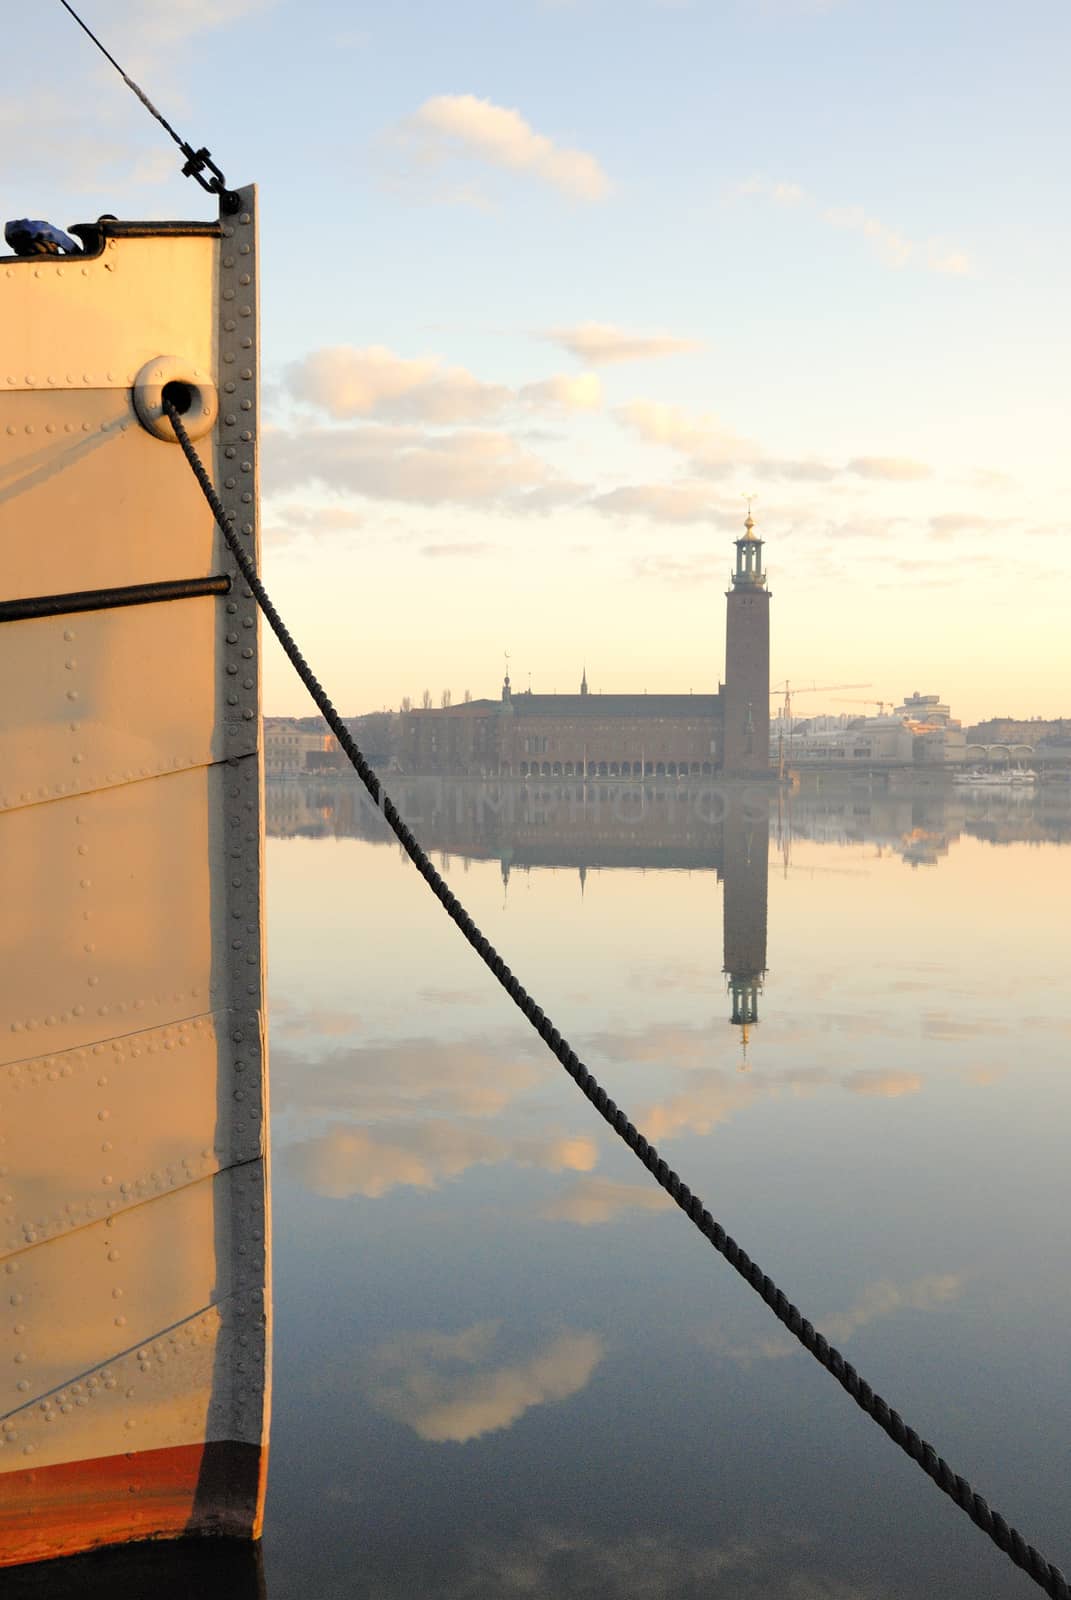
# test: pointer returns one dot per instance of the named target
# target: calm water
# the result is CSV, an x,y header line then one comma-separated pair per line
x,y
504,1365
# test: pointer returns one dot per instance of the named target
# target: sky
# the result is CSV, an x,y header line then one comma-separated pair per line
x,y
549,286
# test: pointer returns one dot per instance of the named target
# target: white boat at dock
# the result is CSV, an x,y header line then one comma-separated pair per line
x,y
1004,778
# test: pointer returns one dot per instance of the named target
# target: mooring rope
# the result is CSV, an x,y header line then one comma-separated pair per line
x,y
1007,1539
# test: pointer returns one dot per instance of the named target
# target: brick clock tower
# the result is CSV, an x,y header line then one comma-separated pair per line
x,y
746,697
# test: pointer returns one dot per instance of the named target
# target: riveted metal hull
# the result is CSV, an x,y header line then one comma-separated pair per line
x,y
134,1228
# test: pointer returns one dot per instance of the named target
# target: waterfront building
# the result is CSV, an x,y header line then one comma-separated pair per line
x,y
1034,741
920,733
925,708
638,735
288,745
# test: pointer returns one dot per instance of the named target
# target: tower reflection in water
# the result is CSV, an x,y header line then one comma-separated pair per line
x,y
746,877
586,827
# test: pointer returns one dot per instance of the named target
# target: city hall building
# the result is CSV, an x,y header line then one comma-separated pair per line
x,y
525,735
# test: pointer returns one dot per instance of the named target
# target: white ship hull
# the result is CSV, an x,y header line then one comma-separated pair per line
x,y
133,1200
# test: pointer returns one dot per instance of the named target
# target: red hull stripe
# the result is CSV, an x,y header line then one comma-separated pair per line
x,y
148,1494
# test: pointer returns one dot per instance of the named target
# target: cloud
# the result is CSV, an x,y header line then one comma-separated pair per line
x,y
953,262
713,450
550,497
602,343
889,469
664,502
120,148
412,447
894,247
876,1300
460,550
289,521
580,393
347,383
785,194
681,571
948,524
467,467
795,471
443,1387
988,478
161,27
141,34
349,1160
110,154
712,447
500,136
594,1201
806,8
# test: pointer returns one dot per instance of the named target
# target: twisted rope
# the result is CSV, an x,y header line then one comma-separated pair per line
x,y
991,1523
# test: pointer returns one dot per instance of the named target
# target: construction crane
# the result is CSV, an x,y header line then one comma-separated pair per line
x,y
881,704
786,715
785,835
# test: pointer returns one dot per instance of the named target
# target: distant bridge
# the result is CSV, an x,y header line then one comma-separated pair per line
x,y
998,752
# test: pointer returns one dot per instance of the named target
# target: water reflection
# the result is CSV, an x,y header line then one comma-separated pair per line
x,y
210,1569
347,1161
874,1300
412,1112
592,825
505,1366
593,1201
553,1562
745,870
385,1146
456,1386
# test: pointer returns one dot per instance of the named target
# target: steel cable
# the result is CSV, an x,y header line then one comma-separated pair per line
x,y
1007,1539
196,160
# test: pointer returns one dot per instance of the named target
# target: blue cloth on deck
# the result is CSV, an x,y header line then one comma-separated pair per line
x,y
28,236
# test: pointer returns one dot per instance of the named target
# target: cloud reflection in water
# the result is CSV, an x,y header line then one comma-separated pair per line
x,y
443,1386
874,1301
550,1563
347,1160
593,1201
